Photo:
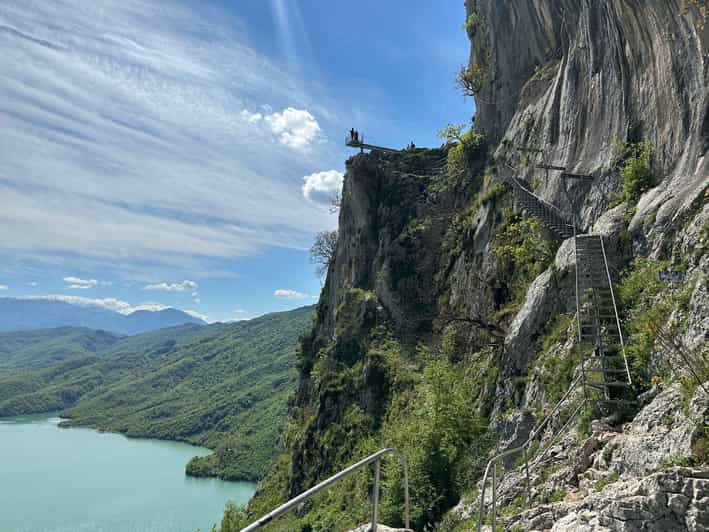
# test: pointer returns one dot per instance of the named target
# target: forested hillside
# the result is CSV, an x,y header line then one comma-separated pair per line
x,y
44,347
224,386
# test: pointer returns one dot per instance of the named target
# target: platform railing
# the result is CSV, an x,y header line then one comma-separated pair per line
x,y
372,459
354,142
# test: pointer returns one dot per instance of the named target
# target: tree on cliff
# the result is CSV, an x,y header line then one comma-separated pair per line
x,y
322,252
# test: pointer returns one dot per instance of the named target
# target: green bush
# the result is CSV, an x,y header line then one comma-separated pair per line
x,y
635,172
649,306
444,441
605,481
470,79
522,253
233,520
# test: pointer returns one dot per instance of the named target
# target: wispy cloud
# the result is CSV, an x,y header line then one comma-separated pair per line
x,y
197,315
184,286
4,287
137,141
114,304
289,294
80,284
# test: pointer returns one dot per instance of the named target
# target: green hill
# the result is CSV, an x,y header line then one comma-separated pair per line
x,y
44,347
224,386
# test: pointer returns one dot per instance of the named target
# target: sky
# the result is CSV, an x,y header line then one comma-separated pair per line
x,y
182,153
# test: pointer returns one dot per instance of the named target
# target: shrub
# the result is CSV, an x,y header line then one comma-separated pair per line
x,y
653,311
471,23
466,148
635,172
522,253
234,519
605,481
470,79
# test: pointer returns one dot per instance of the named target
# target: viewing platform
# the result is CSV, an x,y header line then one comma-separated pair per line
x,y
356,140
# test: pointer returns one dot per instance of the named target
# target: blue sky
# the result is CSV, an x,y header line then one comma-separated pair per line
x,y
181,153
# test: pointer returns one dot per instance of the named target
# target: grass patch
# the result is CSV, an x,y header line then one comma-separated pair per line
x,y
605,481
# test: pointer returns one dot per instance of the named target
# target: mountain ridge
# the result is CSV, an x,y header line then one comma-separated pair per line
x,y
24,314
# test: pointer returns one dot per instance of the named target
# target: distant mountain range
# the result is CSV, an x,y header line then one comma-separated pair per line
x,y
29,314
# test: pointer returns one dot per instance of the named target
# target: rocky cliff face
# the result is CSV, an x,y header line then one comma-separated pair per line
x,y
574,78
445,310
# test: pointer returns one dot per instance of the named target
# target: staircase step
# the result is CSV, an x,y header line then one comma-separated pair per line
x,y
629,402
610,384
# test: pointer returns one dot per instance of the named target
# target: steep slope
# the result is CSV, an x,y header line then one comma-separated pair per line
x,y
29,314
446,325
224,386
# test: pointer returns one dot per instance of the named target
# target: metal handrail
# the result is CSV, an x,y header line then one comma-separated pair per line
x,y
615,311
374,458
546,204
524,447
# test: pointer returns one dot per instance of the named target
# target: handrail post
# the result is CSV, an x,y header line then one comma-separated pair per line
x,y
494,495
407,512
481,511
375,495
526,471
372,459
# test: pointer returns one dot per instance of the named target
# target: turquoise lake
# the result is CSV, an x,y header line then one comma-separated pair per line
x,y
80,480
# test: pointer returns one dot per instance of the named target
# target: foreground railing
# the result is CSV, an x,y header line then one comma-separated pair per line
x,y
524,448
375,459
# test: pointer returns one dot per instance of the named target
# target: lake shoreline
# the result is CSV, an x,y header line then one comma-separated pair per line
x,y
68,423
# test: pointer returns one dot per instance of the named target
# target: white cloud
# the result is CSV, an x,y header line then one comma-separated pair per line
x,y
80,284
296,128
251,118
184,286
197,315
33,283
150,307
321,187
4,287
289,294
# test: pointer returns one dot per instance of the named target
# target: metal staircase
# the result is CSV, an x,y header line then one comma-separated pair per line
x,y
547,213
602,350
604,364
605,374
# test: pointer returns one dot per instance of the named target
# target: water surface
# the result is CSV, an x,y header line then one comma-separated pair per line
x,y
79,480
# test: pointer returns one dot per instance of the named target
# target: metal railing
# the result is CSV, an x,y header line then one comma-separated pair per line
x,y
524,448
375,459
354,142
615,311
